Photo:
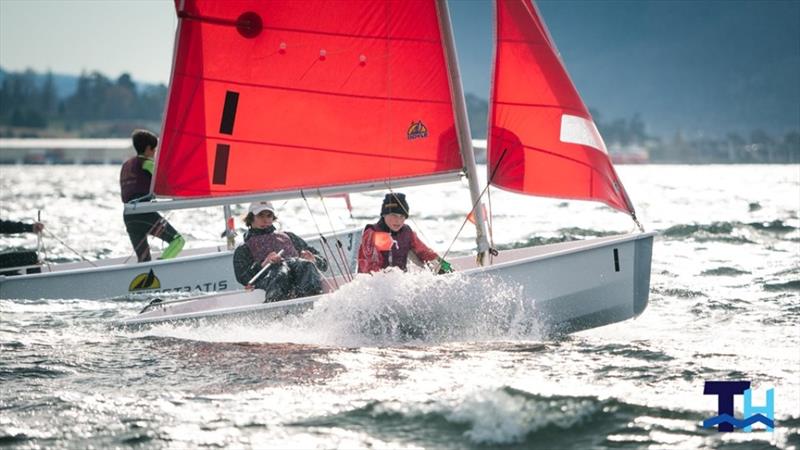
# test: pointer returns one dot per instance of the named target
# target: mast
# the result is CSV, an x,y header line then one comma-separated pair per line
x,y
462,126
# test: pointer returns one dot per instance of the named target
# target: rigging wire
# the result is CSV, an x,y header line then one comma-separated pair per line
x,y
70,248
492,250
324,241
342,255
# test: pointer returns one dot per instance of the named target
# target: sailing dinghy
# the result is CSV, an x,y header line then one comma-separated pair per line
x,y
208,269
364,95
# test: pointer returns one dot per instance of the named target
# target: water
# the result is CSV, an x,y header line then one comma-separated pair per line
x,y
419,361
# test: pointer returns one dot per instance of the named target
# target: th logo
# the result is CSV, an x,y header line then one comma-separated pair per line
x,y
725,391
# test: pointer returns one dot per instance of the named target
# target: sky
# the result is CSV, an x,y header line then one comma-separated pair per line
x,y
704,64
125,36
70,36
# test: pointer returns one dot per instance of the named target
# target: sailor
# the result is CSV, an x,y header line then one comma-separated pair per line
x,y
18,258
134,183
292,266
389,242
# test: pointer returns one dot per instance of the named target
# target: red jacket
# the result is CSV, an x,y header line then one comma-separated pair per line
x,y
371,259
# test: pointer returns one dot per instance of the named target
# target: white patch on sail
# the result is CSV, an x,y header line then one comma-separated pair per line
x,y
577,130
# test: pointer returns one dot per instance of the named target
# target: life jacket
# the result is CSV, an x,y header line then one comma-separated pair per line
x,y
262,244
134,181
398,255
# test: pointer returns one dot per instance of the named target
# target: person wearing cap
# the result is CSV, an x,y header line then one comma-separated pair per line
x,y
134,183
389,242
294,266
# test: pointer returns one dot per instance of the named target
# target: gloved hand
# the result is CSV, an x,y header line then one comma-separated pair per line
x,y
444,267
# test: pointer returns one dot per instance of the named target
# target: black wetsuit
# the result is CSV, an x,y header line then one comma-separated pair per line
x,y
134,182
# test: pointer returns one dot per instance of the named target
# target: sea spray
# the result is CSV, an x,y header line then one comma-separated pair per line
x,y
394,307
390,307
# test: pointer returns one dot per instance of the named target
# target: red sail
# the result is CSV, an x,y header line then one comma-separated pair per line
x,y
541,133
289,94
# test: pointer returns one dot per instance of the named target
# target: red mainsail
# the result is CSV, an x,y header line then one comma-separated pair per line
x,y
283,95
542,139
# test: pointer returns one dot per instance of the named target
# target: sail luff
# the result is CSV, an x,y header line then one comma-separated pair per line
x,y
179,5
538,119
462,126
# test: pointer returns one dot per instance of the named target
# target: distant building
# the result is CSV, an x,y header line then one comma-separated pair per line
x,y
64,151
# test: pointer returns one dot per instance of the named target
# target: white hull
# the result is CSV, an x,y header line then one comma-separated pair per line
x,y
202,270
575,285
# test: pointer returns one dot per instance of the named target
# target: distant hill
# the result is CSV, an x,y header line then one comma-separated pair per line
x,y
703,68
66,84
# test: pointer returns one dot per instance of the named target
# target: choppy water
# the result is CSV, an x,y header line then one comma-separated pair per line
x,y
724,305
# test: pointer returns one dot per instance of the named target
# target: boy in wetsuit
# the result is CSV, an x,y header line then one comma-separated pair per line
x,y
134,182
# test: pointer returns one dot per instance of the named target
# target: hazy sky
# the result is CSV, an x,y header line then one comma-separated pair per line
x,y
68,36
118,36
137,36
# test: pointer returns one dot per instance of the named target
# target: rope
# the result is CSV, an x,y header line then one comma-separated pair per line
x,y
339,246
492,250
324,241
636,221
70,248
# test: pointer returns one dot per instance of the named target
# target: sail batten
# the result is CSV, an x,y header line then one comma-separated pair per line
x,y
268,97
538,119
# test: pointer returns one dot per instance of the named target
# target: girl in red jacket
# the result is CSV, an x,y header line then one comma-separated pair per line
x,y
388,242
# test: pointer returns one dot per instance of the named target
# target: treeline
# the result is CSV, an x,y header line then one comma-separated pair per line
x,y
756,148
97,106
32,101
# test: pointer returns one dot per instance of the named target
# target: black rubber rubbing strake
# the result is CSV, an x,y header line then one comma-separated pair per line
x,y
616,260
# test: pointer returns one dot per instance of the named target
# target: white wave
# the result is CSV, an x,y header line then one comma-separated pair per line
x,y
500,417
388,308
